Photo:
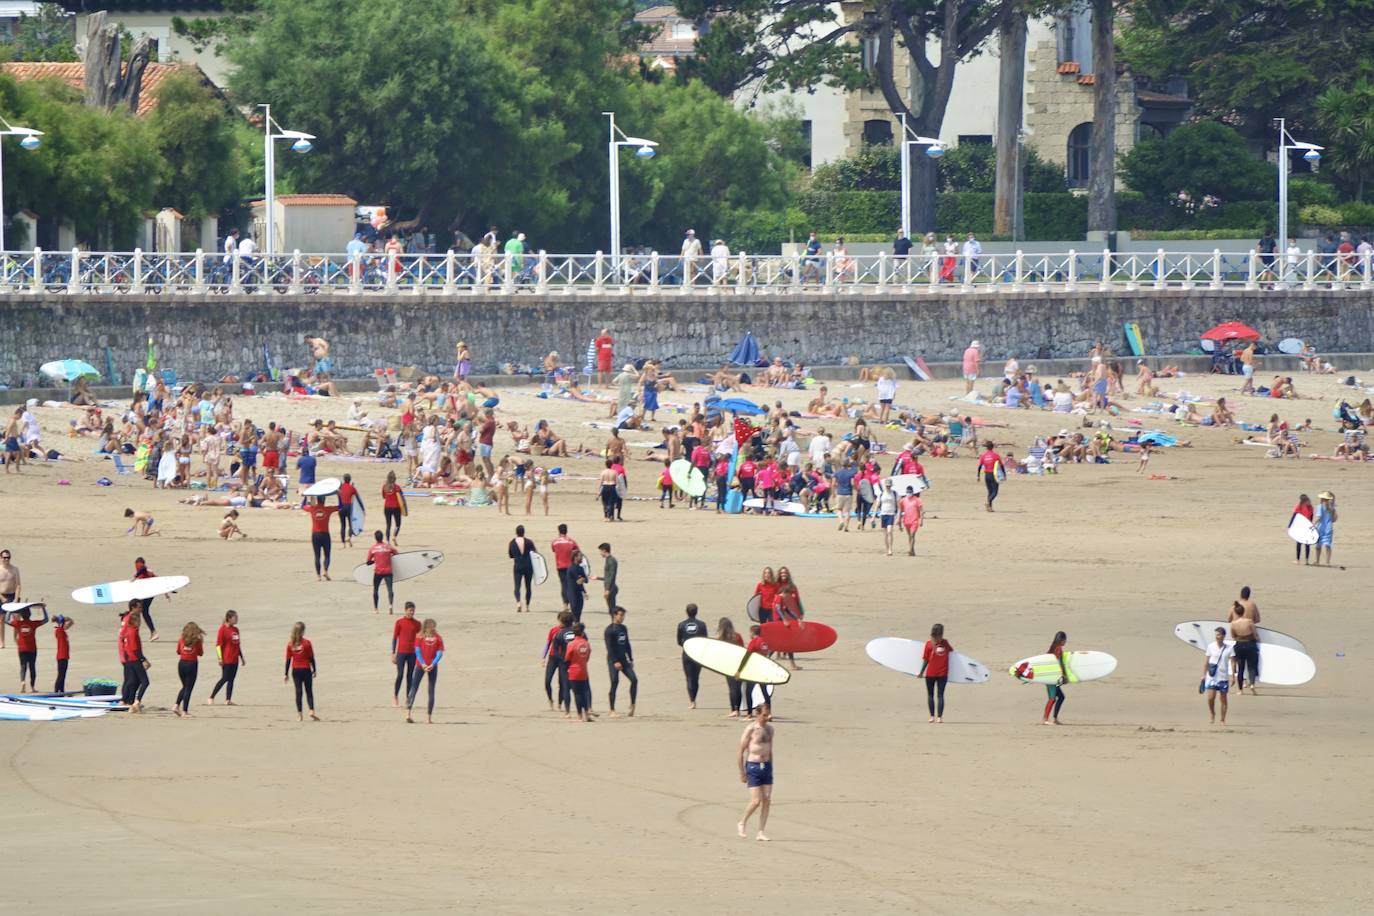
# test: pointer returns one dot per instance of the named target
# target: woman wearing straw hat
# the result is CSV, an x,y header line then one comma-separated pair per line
x,y
464,367
1325,521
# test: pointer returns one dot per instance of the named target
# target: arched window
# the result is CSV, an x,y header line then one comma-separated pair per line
x,y
1080,153
878,132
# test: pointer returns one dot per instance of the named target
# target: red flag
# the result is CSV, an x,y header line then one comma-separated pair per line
x,y
744,430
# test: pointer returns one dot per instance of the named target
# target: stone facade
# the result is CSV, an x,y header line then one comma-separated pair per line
x,y
206,338
1057,102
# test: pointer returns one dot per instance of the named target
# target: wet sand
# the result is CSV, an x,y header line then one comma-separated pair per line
x,y
1134,805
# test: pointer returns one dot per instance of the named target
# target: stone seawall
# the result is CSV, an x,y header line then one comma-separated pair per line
x,y
207,337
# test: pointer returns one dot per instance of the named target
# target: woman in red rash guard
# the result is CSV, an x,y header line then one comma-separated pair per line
x,y
578,654
429,649
190,647
391,506
935,669
131,657
990,469
230,652
319,533
767,590
379,558
62,624
300,667
788,604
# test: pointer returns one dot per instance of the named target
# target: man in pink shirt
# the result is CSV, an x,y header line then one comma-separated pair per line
x,y
972,356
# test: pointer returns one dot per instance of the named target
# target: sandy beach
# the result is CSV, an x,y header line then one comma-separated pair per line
x,y
1135,805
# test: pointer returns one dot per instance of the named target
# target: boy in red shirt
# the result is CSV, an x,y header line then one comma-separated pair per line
x,y
61,625
563,547
379,558
347,493
26,644
403,650
578,654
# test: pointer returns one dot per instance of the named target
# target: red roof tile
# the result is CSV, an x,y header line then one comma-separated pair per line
x,y
74,75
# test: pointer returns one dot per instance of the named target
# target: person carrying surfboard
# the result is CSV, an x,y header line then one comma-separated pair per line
x,y
347,493
935,671
990,470
1055,702
690,629
319,535
755,757
1303,508
141,571
379,558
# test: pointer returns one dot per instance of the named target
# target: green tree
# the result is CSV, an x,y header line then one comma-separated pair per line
x,y
1198,160
967,167
49,35
202,165
1346,117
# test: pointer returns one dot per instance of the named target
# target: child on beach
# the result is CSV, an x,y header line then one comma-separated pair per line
x,y
228,526
143,523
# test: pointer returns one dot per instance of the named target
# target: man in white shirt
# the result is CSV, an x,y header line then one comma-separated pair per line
x,y
789,453
247,246
691,251
972,249
720,262
1216,673
1292,254
819,449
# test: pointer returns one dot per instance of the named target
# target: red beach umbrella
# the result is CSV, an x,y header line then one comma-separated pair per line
x,y
1231,330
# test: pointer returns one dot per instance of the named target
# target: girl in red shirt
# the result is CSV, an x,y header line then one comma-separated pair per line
x,y
62,624
300,667
767,590
788,605
935,670
578,654
26,644
391,506
131,657
319,534
429,649
990,469
1303,508
190,647
230,653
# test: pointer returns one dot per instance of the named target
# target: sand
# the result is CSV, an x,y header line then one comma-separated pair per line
x,y
1136,804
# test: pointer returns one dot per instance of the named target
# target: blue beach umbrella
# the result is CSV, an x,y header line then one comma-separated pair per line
x,y
69,370
746,352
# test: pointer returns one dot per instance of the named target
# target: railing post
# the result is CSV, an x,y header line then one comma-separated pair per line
x,y
355,274
967,285
74,280
1161,270
36,275
1252,270
296,287
507,265
1311,281
1105,283
830,270
653,270
449,260
137,282
1018,284
198,274
541,277
236,274
1216,269
1366,282
796,273
934,279
599,271
1072,280
882,271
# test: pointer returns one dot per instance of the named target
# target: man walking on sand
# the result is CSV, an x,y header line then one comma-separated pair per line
x,y
756,770
972,357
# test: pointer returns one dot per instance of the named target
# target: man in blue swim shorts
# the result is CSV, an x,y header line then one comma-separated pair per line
x,y
756,770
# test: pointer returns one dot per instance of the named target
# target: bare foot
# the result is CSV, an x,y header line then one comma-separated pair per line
x,y
155,637
931,721
300,718
742,833
326,577
761,838
314,717
733,715
178,712
210,702
1046,722
632,711
939,720
229,703
409,720
692,705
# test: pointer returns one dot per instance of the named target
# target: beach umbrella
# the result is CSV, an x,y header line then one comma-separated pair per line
x,y
69,369
746,352
1231,330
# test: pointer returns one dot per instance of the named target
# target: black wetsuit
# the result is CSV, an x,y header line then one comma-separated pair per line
x,y
618,650
688,629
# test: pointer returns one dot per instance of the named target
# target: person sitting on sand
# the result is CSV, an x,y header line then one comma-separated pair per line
x,y
229,526
1221,414
776,373
81,394
1145,380
725,380
546,442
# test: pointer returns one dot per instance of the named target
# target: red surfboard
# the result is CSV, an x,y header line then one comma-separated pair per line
x,y
798,636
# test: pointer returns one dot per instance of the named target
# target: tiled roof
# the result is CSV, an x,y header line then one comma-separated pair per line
x,y
74,75
312,200
1161,99
1069,66
662,43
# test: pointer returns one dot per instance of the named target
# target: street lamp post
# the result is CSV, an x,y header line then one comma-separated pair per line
x,y
30,141
1312,155
301,145
934,149
645,150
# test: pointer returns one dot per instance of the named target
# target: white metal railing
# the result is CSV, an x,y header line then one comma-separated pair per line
x,y
84,272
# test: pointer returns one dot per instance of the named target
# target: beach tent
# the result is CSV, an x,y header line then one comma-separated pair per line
x,y
746,352
1231,330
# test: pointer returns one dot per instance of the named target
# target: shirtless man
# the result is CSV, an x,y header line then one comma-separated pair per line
x,y
756,770
319,351
271,450
11,587
615,447
11,442
725,380
1243,619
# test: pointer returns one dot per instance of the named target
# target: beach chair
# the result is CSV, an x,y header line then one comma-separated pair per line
x,y
120,466
1035,460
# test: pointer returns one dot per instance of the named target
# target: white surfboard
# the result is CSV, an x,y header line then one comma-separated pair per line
x,y
39,712
902,481
735,661
541,568
1290,346
359,515
1302,531
403,566
1279,665
1081,665
904,655
327,487
123,592
10,607
752,606
103,704
1200,633
787,508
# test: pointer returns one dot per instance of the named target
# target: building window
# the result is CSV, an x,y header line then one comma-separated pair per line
x,y
878,132
806,140
870,50
1066,30
975,139
1080,154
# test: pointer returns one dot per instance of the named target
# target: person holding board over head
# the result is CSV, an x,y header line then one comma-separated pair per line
x,y
429,651
403,650
319,534
1056,691
229,651
1217,669
379,558
61,624
301,668
688,629
935,670
756,771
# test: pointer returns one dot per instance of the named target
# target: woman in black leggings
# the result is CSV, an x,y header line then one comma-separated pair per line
x,y
429,651
935,670
391,507
990,469
300,667
320,539
519,551
136,665
230,652
190,647
555,666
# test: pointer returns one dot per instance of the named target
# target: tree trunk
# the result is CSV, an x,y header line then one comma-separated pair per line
x,y
1011,80
1102,168
108,83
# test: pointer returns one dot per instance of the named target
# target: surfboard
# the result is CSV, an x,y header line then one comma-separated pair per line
x,y
1302,531
902,481
1199,634
327,487
1082,666
104,704
41,712
735,661
686,478
12,607
587,569
541,569
904,655
121,592
798,636
620,486
787,508
405,508
753,605
1290,346
359,516
919,370
1134,339
866,490
406,565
